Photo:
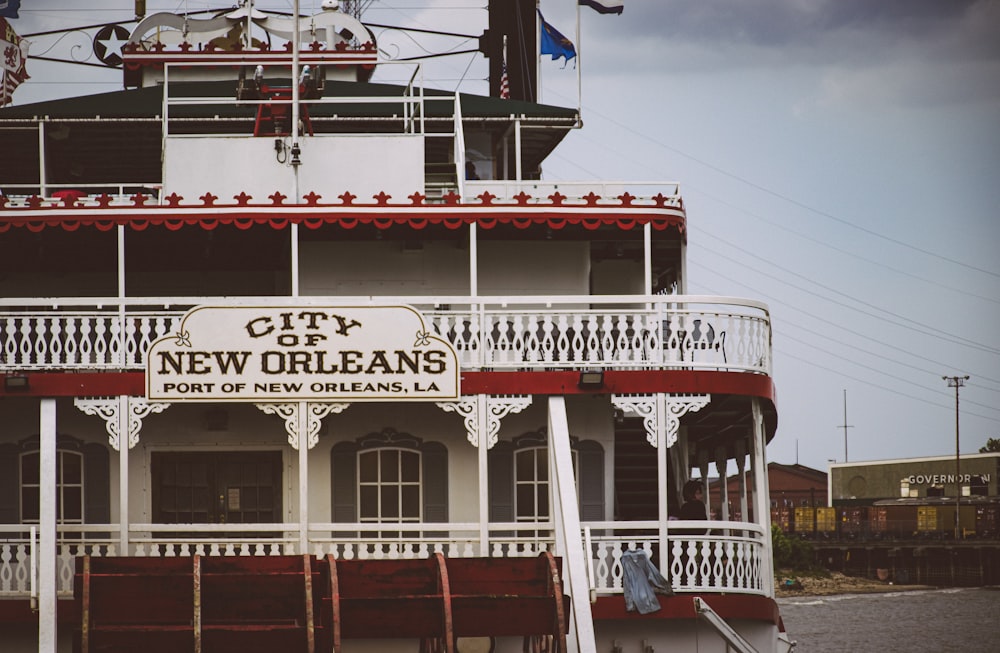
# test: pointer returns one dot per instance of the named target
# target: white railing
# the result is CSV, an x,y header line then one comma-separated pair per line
x,y
23,196
608,192
46,194
501,333
728,559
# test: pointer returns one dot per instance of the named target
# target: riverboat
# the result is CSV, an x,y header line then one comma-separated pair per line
x,y
296,360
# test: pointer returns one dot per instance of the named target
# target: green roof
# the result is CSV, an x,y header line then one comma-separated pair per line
x,y
148,103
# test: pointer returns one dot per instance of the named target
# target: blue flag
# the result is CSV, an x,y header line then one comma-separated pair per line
x,y
8,8
553,42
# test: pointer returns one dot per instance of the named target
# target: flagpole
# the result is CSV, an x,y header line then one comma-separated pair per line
x,y
579,67
503,69
538,53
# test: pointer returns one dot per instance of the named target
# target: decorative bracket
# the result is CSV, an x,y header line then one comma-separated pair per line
x,y
496,408
660,407
109,409
315,412
467,408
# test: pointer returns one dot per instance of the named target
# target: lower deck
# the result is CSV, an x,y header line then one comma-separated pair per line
x,y
306,604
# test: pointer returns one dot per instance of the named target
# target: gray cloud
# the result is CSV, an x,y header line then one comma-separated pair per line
x,y
781,23
912,52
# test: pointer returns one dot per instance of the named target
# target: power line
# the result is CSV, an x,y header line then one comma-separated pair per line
x,y
822,243
880,387
933,331
782,334
649,138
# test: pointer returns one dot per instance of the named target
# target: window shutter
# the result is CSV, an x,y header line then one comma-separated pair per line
x,y
435,482
590,458
500,466
9,491
96,489
344,485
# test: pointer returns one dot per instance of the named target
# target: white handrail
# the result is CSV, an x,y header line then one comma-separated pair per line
x,y
591,579
33,572
501,301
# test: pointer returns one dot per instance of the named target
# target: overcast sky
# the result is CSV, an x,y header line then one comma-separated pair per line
x,y
839,159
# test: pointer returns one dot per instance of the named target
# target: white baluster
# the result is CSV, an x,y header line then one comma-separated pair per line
x,y
101,346
6,569
21,571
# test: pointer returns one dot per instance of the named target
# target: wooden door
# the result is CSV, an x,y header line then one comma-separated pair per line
x,y
219,487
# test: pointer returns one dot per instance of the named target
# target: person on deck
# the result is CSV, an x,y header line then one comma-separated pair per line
x,y
694,505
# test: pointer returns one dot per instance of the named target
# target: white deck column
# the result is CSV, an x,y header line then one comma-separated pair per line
x,y
47,527
482,448
517,150
703,470
761,497
294,253
722,467
473,260
647,258
42,179
569,535
741,464
121,263
662,481
303,442
123,447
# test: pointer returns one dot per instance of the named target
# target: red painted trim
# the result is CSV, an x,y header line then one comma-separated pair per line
x,y
81,384
681,606
101,384
18,611
620,382
235,58
277,215
729,606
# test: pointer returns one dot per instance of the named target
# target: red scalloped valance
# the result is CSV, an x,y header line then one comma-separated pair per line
x,y
277,215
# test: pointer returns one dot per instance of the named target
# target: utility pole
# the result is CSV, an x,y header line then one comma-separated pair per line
x,y
957,382
845,426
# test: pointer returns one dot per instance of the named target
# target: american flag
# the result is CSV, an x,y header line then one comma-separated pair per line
x,y
14,51
504,82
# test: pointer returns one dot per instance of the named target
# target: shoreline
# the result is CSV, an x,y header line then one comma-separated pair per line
x,y
837,583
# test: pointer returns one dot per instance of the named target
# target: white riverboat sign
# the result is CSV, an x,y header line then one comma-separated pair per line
x,y
302,353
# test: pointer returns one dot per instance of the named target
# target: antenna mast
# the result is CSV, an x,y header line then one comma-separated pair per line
x,y
354,7
845,426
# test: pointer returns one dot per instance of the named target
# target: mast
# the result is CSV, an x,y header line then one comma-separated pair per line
x,y
845,425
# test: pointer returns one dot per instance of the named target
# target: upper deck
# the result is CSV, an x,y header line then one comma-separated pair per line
x,y
191,189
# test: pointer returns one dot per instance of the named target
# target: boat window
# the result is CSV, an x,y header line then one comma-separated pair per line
x,y
69,487
389,483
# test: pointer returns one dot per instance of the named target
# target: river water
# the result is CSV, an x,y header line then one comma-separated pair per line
x,y
931,621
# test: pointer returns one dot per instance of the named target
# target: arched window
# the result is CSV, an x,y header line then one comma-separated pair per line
x,y
69,487
389,482
389,478
519,479
531,483
81,482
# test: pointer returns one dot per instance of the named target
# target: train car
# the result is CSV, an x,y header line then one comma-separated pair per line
x,y
826,520
988,520
782,516
853,521
804,523
940,520
892,521
934,517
